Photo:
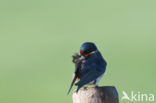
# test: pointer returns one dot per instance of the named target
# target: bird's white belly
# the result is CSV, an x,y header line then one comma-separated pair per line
x,y
97,80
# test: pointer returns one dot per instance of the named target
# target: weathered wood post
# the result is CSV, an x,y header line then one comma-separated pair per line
x,y
105,94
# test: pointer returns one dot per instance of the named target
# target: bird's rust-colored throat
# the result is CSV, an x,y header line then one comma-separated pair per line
x,y
81,52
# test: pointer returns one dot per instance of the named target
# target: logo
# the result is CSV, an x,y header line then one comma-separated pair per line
x,y
138,97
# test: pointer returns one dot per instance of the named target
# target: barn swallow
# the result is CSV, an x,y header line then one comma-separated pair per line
x,y
89,66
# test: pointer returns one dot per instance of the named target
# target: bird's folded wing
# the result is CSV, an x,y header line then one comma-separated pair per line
x,y
90,76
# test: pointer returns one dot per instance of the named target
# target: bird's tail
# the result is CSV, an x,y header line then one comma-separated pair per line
x,y
74,79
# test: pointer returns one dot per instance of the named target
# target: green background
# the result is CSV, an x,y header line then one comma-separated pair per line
x,y
38,38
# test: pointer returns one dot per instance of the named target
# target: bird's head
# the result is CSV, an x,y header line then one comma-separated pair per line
x,y
87,48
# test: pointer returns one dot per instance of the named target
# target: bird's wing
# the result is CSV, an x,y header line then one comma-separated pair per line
x,y
88,77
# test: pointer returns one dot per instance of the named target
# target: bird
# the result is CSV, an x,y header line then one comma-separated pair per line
x,y
90,66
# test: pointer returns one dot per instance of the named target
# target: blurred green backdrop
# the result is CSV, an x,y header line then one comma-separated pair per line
x,y
38,37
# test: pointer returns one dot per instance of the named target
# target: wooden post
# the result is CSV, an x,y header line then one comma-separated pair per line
x,y
105,94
